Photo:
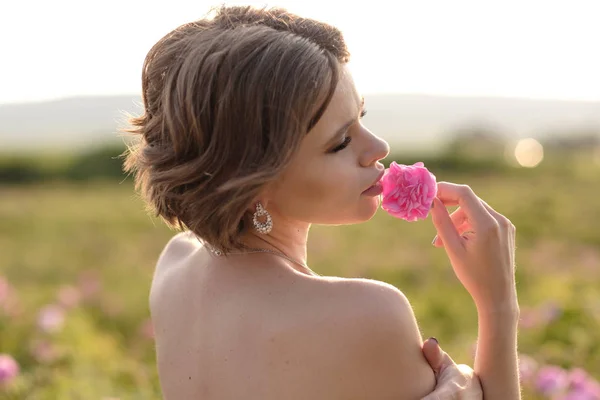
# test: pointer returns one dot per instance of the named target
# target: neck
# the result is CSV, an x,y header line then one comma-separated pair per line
x,y
287,237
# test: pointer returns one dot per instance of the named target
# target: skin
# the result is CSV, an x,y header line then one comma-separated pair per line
x,y
321,186
257,326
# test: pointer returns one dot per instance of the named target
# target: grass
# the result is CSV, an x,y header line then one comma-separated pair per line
x,y
95,238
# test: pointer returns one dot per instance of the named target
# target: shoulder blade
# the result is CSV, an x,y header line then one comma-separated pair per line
x,y
385,360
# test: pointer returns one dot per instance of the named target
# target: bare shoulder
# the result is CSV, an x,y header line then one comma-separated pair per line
x,y
174,255
372,299
182,244
383,346
177,250
370,292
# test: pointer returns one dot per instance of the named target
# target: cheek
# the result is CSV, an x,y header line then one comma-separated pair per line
x,y
320,189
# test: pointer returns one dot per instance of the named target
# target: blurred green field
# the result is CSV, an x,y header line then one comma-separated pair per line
x,y
90,248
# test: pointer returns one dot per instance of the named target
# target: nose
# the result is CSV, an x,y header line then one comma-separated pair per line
x,y
375,151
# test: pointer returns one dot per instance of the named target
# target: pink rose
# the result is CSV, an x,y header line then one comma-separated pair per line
x,y
408,191
9,369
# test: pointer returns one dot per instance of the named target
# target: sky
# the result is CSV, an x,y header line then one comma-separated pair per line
x,y
546,49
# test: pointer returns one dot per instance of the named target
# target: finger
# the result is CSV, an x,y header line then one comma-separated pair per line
x,y
459,213
466,371
452,379
437,358
474,389
456,382
432,353
466,381
459,218
502,220
446,230
468,235
446,364
465,228
452,194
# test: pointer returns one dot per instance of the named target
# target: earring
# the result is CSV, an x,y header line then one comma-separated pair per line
x,y
262,227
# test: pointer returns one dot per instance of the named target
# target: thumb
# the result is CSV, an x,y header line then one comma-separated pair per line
x,y
437,358
444,226
433,354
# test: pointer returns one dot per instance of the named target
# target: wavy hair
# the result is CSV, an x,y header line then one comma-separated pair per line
x,y
227,101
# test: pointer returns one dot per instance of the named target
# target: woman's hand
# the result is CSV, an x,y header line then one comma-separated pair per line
x,y
480,244
454,382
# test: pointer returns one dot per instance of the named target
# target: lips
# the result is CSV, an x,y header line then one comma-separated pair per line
x,y
379,176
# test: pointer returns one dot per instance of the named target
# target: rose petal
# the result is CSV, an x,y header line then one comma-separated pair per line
x,y
408,191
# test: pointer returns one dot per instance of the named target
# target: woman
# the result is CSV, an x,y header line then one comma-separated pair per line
x,y
251,133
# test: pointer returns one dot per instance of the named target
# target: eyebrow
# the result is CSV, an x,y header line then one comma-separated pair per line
x,y
347,125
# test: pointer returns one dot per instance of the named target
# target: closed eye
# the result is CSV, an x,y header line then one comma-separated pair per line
x,y
342,145
347,139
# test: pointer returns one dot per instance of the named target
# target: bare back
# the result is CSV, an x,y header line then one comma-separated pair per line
x,y
227,332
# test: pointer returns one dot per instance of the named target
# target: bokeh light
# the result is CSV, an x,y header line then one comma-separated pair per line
x,y
529,152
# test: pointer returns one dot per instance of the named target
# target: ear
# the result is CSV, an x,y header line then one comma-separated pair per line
x,y
252,206
266,193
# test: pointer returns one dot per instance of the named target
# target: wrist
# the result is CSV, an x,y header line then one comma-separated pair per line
x,y
508,310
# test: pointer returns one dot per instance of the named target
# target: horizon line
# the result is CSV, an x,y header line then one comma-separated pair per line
x,y
366,93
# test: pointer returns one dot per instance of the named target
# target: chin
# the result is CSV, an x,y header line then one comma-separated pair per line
x,y
369,208
364,211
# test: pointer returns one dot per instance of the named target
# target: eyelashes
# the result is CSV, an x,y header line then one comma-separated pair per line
x,y
342,145
347,139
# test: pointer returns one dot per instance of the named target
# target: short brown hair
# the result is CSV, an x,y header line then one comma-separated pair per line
x,y
227,101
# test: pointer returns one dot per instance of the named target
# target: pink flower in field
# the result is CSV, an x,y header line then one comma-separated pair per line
x,y
578,379
574,395
593,388
408,191
69,296
89,284
550,312
540,316
51,318
551,380
581,386
9,369
579,394
43,351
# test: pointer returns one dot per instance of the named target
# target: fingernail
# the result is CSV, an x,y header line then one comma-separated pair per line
x,y
434,239
432,338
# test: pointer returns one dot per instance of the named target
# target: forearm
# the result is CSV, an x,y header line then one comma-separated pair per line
x,y
496,362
